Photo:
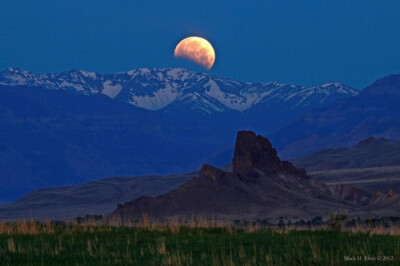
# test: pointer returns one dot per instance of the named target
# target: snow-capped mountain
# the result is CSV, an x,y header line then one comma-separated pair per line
x,y
76,126
165,89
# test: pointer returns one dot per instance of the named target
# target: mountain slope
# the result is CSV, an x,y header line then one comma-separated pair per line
x,y
370,152
93,198
343,123
260,186
372,165
52,138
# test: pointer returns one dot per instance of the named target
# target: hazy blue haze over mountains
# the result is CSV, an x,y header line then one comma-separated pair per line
x,y
144,121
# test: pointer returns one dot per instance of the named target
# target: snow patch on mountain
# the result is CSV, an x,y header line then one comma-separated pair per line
x,y
88,74
157,100
232,101
111,90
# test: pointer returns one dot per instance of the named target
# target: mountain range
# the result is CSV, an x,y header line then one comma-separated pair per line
x,y
74,127
374,112
77,126
176,88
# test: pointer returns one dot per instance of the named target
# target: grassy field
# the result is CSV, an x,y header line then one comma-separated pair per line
x,y
30,243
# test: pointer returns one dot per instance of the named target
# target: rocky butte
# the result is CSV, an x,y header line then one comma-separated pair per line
x,y
261,186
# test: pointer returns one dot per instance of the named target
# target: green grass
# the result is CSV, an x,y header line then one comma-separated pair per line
x,y
107,245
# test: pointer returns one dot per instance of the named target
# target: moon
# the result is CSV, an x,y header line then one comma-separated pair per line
x,y
196,49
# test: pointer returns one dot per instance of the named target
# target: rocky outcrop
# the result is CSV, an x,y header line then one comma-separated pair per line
x,y
252,151
260,186
385,197
350,194
211,172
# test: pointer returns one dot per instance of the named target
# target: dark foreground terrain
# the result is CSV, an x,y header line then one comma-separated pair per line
x,y
28,243
98,197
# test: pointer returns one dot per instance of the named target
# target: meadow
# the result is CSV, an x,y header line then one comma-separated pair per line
x,y
49,243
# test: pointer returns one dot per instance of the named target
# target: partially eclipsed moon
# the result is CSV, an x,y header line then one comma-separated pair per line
x,y
196,49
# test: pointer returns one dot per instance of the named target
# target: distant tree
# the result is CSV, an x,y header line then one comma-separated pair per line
x,y
317,220
336,220
289,223
281,223
300,222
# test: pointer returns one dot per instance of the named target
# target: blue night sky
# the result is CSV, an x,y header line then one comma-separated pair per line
x,y
300,42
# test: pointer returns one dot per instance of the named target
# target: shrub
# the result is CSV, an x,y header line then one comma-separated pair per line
x,y
317,220
336,220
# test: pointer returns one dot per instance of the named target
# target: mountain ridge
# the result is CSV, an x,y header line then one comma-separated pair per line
x,y
370,152
158,89
374,112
